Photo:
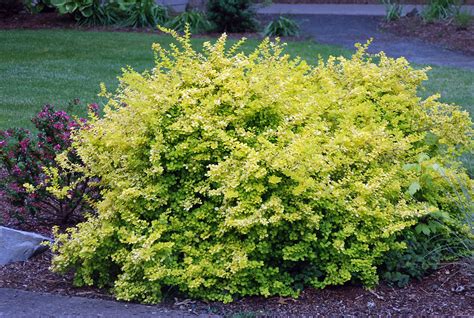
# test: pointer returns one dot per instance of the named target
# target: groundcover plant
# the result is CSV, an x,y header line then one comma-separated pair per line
x,y
226,174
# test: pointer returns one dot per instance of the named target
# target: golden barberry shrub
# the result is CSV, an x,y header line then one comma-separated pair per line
x,y
226,174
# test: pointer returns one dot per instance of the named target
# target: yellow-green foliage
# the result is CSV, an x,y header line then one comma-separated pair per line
x,y
226,174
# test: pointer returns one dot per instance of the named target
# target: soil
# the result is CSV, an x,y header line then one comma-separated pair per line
x,y
448,291
445,33
49,20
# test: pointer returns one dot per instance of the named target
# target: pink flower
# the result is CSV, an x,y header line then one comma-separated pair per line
x,y
94,108
58,126
24,144
16,170
15,187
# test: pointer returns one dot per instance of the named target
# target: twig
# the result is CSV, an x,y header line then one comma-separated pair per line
x,y
376,295
448,279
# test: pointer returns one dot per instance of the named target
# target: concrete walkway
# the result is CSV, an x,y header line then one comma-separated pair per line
x,y
18,303
345,31
174,5
346,24
338,9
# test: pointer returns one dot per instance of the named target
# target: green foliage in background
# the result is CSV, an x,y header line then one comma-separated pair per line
x,y
227,174
140,13
440,10
435,238
282,27
129,13
10,7
393,10
232,15
463,19
197,22
80,8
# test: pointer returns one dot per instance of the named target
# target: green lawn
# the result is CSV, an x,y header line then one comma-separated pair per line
x,y
56,66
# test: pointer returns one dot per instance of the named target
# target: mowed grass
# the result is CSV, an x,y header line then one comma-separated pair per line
x,y
57,66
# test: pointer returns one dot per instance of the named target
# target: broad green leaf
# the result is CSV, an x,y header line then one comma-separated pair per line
x,y
423,228
71,6
414,187
86,12
423,157
412,166
58,3
431,139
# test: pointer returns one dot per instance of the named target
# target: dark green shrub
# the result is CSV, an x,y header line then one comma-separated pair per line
x,y
10,7
435,239
139,13
428,244
232,15
282,27
90,12
393,10
128,13
36,6
440,10
463,19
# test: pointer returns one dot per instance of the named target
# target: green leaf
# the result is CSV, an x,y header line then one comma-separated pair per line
x,y
423,228
442,215
427,180
431,139
71,7
438,168
414,187
86,12
423,157
412,166
58,3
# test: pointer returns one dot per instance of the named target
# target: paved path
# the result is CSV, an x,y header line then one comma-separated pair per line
x,y
17,303
337,9
175,5
346,30
346,24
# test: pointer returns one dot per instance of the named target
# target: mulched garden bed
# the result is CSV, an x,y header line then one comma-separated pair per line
x,y
449,291
445,33
52,20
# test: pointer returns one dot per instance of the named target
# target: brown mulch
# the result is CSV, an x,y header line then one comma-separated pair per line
x,y
53,20
25,20
449,291
446,33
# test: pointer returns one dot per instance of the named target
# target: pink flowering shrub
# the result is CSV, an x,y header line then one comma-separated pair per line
x,y
24,158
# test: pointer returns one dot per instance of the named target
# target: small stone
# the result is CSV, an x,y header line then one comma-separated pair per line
x,y
412,13
458,289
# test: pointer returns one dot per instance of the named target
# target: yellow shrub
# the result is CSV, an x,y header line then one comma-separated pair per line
x,y
226,174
